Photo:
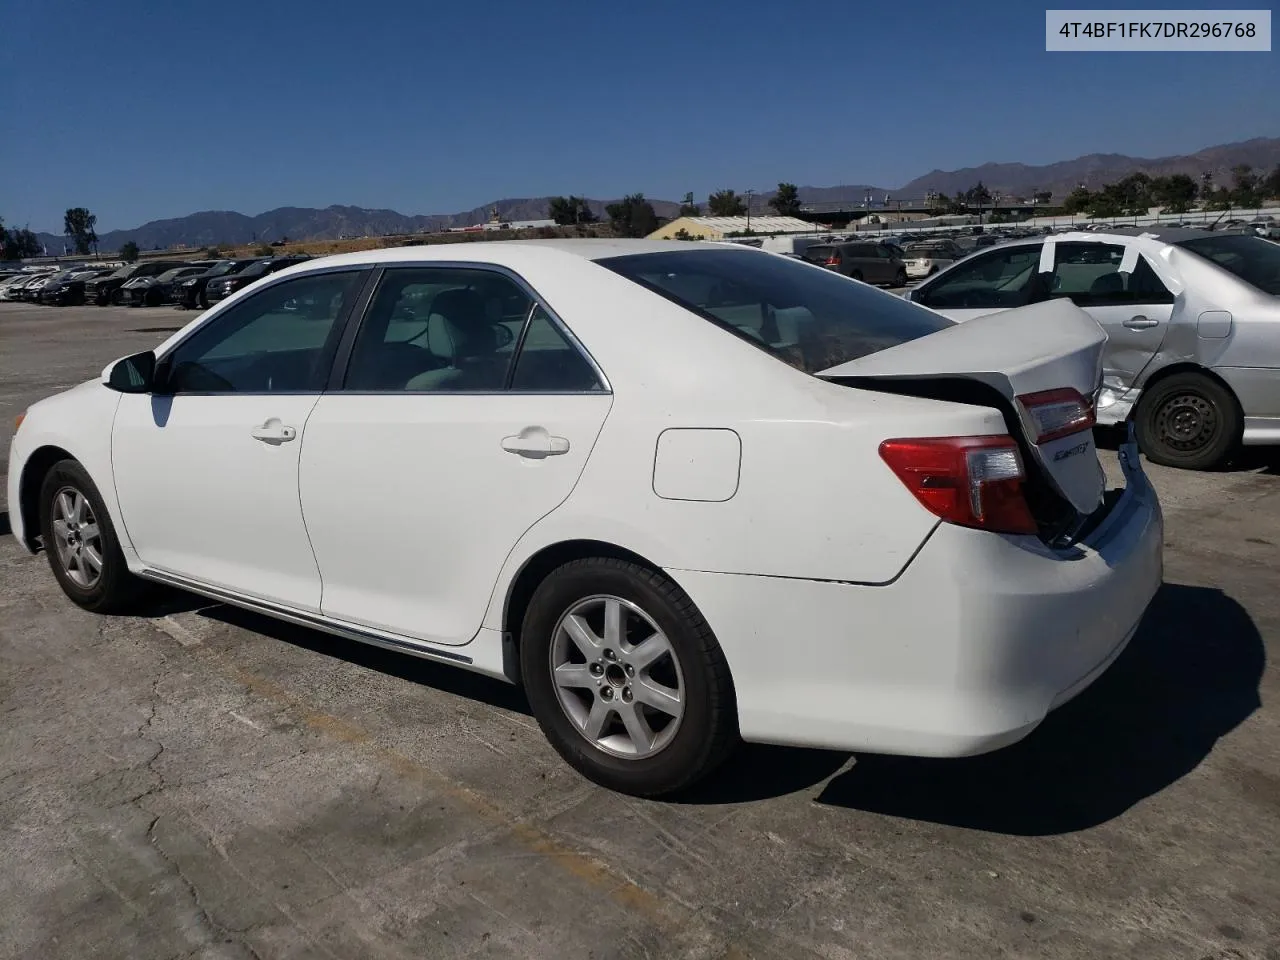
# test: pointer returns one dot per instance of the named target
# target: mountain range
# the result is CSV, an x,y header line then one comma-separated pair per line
x,y
1010,179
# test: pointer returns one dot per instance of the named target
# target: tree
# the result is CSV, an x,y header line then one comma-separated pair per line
x,y
1174,194
1245,190
129,251
688,208
1078,200
978,195
18,244
939,202
725,203
1219,199
787,200
78,224
1042,196
683,234
567,210
632,216
1271,186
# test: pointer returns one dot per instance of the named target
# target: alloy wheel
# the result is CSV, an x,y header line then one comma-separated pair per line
x,y
616,677
77,538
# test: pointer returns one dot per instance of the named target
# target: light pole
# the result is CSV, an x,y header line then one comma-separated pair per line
x,y
750,194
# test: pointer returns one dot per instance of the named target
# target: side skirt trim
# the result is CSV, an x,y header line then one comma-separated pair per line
x,y
304,619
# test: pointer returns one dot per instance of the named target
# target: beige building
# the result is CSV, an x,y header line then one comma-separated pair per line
x,y
718,228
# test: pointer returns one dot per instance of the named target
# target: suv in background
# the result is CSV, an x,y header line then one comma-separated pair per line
x,y
866,261
106,290
189,293
220,288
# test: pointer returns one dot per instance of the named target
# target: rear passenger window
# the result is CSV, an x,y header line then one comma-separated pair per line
x,y
1089,274
549,363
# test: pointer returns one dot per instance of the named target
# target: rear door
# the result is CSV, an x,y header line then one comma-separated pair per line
x,y
465,414
1133,307
999,279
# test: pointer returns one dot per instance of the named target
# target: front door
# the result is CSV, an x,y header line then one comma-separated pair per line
x,y
986,283
206,471
465,416
1133,307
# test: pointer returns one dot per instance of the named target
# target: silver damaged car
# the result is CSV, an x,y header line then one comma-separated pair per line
x,y
1192,320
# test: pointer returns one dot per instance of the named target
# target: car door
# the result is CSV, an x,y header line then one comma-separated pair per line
x,y
465,414
206,469
1134,307
1000,279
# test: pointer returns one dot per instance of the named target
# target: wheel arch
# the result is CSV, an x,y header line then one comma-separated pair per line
x,y
34,471
1172,370
536,569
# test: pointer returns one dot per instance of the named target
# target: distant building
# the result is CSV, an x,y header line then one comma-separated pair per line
x,y
718,228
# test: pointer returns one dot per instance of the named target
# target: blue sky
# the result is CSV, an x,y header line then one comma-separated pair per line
x,y
144,110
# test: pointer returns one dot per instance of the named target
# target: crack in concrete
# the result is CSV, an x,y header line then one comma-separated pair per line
x,y
217,932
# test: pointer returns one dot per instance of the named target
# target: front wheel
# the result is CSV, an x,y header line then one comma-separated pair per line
x,y
901,279
626,678
1188,420
80,541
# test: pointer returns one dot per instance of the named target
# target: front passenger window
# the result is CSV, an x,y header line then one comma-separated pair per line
x,y
278,340
998,280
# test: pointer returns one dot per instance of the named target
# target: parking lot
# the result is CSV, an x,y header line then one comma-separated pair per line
x,y
204,782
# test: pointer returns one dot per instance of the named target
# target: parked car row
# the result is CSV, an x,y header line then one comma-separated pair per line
x,y
192,284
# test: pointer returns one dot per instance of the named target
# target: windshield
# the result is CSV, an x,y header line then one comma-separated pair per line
x,y
811,319
1252,259
256,269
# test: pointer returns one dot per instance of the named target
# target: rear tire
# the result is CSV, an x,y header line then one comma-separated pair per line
x,y
1188,420
855,275
645,706
81,543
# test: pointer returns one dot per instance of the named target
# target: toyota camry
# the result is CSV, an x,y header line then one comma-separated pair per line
x,y
684,494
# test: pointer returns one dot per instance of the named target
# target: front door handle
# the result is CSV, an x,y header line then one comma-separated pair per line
x,y
1140,323
535,444
273,431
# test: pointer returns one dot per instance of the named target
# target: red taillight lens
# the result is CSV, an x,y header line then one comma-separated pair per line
x,y
832,261
1057,413
970,481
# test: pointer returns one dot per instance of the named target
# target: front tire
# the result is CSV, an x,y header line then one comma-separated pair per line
x,y
901,279
626,678
1188,420
81,543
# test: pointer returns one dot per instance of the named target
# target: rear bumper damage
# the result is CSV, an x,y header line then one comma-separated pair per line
x,y
967,651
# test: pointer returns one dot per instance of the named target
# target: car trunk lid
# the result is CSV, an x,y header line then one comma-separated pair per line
x,y
1036,358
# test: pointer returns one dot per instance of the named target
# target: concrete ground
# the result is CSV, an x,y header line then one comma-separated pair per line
x,y
201,782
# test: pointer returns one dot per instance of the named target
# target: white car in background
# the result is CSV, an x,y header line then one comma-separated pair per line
x,y
1192,317
683,493
925,258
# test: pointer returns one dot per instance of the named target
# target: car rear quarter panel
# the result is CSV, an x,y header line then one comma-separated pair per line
x,y
813,500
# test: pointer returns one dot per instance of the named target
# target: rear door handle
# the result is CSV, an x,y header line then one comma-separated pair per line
x,y
273,431
535,443
1140,323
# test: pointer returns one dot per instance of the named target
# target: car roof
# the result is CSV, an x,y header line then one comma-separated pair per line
x,y
512,252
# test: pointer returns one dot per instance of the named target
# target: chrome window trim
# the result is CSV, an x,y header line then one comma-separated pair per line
x,y
537,301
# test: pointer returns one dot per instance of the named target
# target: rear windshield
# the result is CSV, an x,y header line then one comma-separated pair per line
x,y
1252,259
811,319
819,252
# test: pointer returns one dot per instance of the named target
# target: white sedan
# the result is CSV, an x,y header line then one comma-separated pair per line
x,y
683,493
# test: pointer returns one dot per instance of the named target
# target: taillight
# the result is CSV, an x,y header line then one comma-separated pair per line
x,y
832,261
1057,413
970,481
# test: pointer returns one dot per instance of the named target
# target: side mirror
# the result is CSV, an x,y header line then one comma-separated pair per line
x,y
135,374
504,335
